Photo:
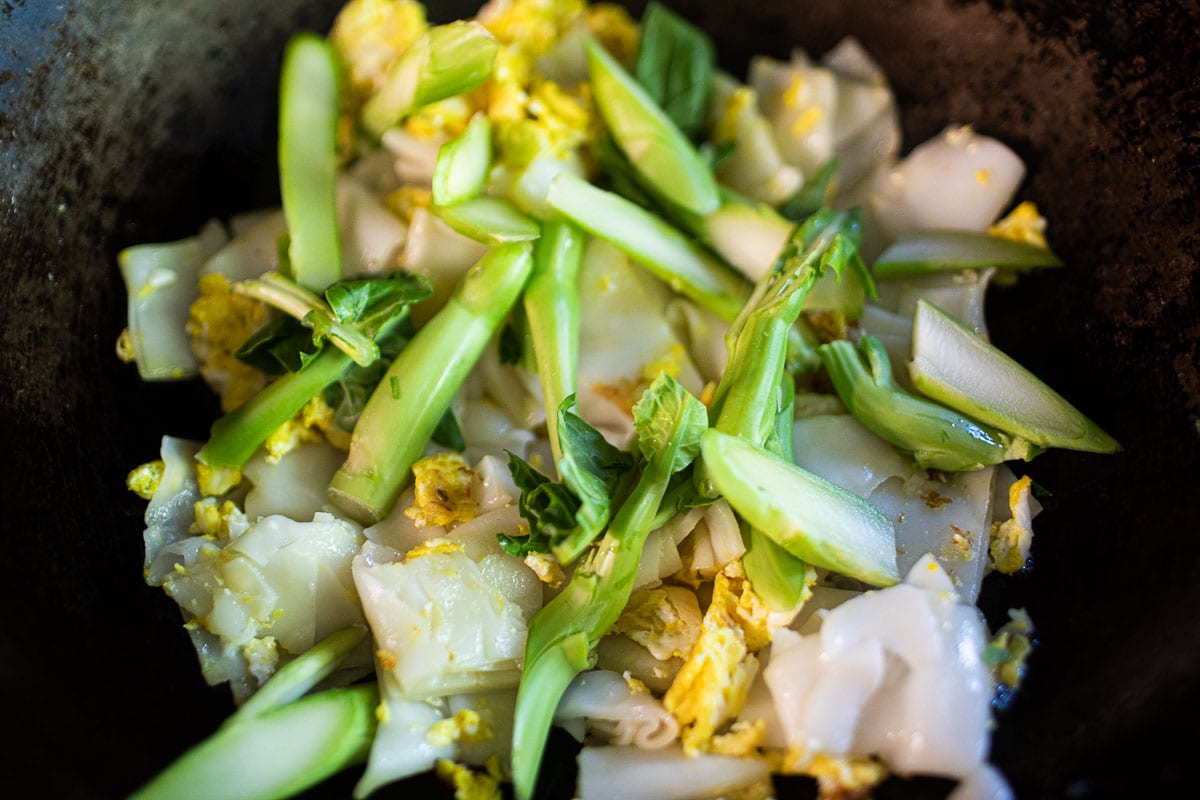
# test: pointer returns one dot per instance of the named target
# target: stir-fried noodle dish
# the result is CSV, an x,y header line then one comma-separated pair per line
x,y
577,382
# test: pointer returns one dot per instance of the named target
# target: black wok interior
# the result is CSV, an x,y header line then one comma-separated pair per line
x,y
124,121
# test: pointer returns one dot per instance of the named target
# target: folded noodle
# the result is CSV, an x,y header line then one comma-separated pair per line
x,y
613,709
631,773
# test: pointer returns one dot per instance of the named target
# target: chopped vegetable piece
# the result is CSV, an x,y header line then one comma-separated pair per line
x,y
446,61
551,305
954,366
938,437
669,423
923,251
657,149
397,422
325,733
308,112
809,517
671,256
462,164
674,65
490,220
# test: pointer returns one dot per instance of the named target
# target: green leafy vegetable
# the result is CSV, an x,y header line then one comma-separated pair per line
x,y
659,151
462,164
282,345
937,437
918,252
812,195
954,366
235,436
446,61
308,113
675,65
395,426
668,424
490,220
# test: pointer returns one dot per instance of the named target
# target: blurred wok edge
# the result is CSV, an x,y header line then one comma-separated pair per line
x,y
123,122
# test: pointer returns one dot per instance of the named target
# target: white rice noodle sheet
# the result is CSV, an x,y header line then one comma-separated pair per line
x,y
296,486
896,672
950,519
957,180
401,746
372,237
161,285
960,294
442,622
252,251
603,702
271,593
620,654
623,335
800,102
633,773
496,710
513,388
170,511
415,156
704,334
894,331
838,448
488,429
441,254
754,168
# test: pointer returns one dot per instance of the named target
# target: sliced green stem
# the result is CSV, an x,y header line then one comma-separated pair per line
x,y
417,390
308,114
275,754
551,304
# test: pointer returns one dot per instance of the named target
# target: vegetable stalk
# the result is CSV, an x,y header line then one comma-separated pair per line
x,y
308,113
417,389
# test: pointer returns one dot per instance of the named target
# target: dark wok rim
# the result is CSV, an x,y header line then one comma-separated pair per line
x,y
1113,158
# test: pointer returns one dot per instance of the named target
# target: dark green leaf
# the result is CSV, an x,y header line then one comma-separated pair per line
x,y
448,434
521,546
814,194
675,64
282,345
548,507
369,302
717,154
511,344
349,395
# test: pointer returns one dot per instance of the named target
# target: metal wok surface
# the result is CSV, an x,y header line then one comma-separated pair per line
x,y
124,121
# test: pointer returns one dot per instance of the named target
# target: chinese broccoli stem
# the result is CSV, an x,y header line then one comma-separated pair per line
x,y
938,437
446,61
235,436
308,113
669,423
551,304
671,256
412,397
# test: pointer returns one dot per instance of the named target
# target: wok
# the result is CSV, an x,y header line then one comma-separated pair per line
x,y
125,121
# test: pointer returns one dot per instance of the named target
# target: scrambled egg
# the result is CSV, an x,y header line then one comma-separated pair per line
x,y
664,621
219,322
1023,224
468,783
221,521
1009,649
547,569
440,545
1012,539
711,687
836,777
370,35
216,481
313,423
443,487
145,479
465,726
